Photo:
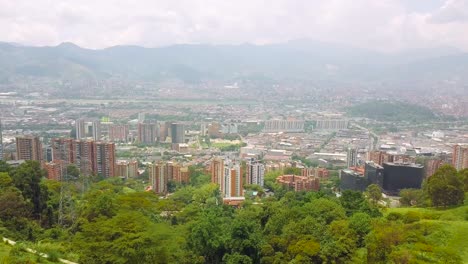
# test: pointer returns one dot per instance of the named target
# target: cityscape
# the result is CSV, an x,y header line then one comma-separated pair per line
x,y
228,133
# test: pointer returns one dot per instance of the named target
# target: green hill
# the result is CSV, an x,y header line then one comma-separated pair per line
x,y
453,224
391,111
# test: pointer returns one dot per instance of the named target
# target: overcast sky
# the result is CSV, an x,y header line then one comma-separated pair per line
x,y
378,24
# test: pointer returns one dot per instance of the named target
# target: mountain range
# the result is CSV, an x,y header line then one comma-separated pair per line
x,y
299,59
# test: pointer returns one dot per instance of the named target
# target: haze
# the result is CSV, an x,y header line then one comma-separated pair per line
x,y
380,25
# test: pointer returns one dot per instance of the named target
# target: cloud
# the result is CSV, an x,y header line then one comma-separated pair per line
x,y
381,25
451,12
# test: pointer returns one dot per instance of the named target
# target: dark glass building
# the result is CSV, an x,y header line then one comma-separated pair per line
x,y
399,176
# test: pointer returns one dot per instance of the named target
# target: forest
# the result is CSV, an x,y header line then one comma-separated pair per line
x,y
93,220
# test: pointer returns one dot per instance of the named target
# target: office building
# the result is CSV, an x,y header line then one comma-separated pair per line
x,y
118,133
353,180
96,127
80,129
460,156
255,172
399,176
373,173
147,133
272,126
105,159
352,157
28,148
299,183
177,133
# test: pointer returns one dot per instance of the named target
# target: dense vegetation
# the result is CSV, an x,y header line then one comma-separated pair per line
x,y
391,111
114,221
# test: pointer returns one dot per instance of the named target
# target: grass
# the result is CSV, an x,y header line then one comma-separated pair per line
x,y
4,251
453,222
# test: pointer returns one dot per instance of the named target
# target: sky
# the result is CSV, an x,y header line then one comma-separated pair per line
x,y
385,25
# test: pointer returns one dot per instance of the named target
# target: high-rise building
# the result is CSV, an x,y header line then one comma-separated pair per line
x,y
28,148
352,157
460,156
233,186
217,171
126,169
84,156
183,176
147,133
54,170
255,172
118,133
158,177
177,133
80,129
105,159
96,130
63,149
431,166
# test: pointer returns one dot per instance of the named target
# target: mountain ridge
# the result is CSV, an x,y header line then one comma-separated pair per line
x,y
195,62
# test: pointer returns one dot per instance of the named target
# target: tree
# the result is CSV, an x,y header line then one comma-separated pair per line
x,y
361,224
208,236
352,201
27,178
445,188
325,210
73,171
411,197
463,175
129,237
374,193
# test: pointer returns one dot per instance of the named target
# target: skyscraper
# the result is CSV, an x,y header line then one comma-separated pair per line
x,y
460,156
97,130
80,129
177,133
255,172
351,157
28,148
